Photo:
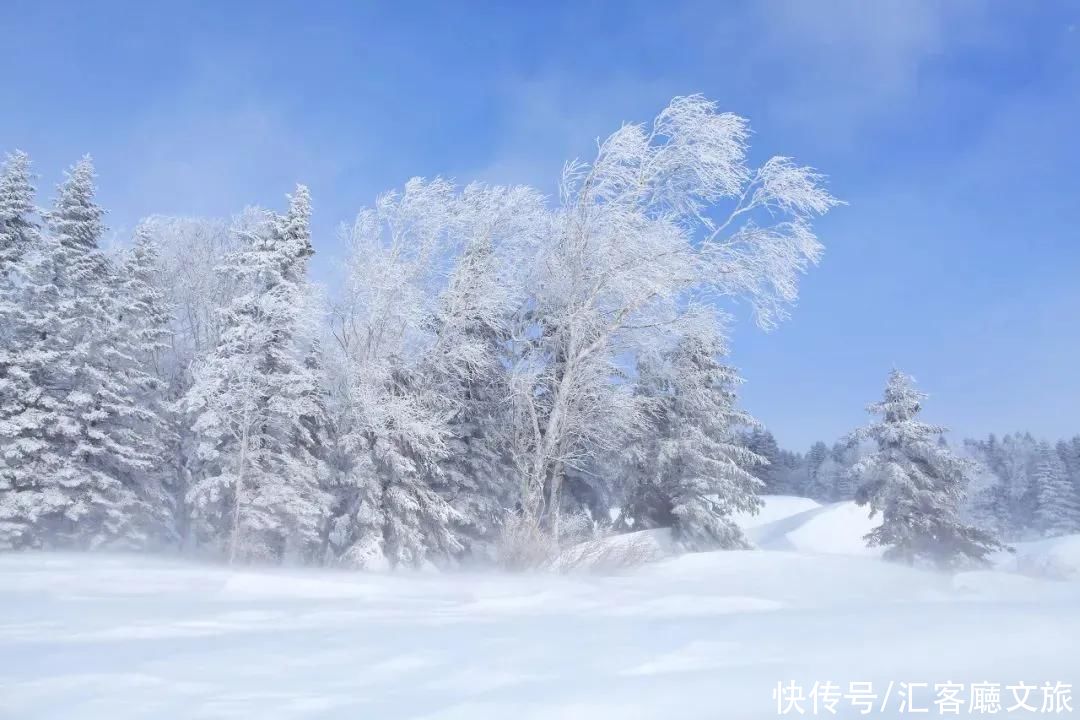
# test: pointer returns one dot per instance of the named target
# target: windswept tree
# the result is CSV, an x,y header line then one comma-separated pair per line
x,y
666,215
917,485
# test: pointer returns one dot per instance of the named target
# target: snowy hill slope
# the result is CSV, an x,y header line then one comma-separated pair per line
x,y
838,528
636,548
783,523
774,508
696,636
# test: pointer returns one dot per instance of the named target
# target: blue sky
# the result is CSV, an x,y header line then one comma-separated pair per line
x,y
950,128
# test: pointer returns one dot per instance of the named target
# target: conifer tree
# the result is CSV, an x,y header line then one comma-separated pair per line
x,y
772,470
818,485
1069,452
75,457
1057,511
916,485
144,334
261,495
690,471
20,246
19,230
471,337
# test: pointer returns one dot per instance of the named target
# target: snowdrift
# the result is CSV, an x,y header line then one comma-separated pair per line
x,y
1056,558
837,529
695,636
618,551
783,523
800,525
774,508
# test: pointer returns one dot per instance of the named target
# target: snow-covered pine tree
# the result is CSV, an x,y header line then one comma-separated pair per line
x,y
1069,452
689,469
817,487
828,480
388,513
260,493
1057,511
146,309
470,323
19,229
316,443
191,251
773,472
143,334
20,233
20,247
916,485
75,459
990,503
1021,463
985,496
846,454
394,425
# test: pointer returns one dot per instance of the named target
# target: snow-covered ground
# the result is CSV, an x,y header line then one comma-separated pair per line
x,y
833,529
696,636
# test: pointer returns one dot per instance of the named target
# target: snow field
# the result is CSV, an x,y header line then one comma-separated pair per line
x,y
694,636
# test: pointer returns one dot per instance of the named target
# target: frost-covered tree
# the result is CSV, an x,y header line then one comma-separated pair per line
x,y
480,377
1005,495
432,274
391,426
817,486
76,454
145,331
189,254
1057,511
829,480
984,502
689,470
1069,452
19,234
260,490
20,248
916,484
773,472
19,228
846,454
665,214
1020,460
471,328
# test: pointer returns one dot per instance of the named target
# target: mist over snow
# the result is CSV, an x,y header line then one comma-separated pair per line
x,y
698,636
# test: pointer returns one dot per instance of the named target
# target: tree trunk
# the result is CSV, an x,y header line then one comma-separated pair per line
x,y
234,540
